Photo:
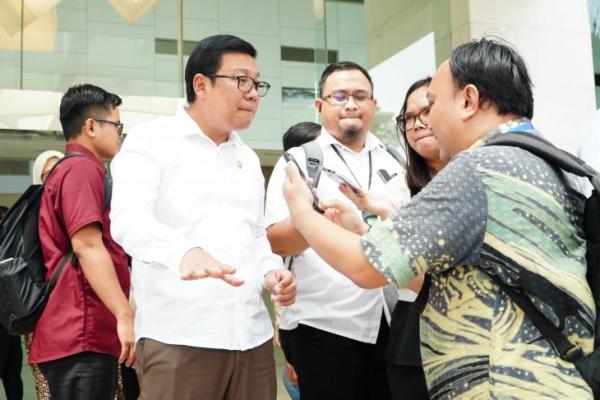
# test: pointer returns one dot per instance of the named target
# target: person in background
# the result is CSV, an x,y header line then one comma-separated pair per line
x,y
335,334
300,133
589,147
295,136
42,165
11,356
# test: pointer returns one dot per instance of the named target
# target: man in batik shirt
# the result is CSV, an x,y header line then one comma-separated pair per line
x,y
492,210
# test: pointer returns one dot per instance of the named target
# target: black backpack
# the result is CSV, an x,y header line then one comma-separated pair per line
x,y
589,365
23,289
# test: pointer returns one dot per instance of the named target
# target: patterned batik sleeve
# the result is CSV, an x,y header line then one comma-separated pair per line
x,y
443,226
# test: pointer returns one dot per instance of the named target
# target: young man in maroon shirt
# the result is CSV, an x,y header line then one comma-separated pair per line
x,y
87,324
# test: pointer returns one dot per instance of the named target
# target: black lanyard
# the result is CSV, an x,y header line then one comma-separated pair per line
x,y
350,170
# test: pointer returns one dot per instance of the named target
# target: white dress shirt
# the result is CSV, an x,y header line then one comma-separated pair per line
x,y
175,189
326,299
589,147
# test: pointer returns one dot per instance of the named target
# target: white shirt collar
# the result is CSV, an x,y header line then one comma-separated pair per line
x,y
189,127
371,143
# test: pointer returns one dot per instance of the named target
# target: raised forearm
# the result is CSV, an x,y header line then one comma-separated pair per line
x,y
285,239
338,247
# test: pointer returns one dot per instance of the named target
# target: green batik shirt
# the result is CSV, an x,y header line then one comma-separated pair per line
x,y
493,210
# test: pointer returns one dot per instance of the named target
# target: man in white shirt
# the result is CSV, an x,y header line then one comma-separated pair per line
x,y
589,147
335,333
187,204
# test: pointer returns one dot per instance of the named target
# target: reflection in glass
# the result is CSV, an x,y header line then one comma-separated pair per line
x,y
131,10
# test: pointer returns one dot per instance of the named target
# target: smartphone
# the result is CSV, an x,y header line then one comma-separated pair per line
x,y
288,157
384,175
339,179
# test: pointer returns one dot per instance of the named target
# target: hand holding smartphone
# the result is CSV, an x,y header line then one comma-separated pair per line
x,y
288,157
341,179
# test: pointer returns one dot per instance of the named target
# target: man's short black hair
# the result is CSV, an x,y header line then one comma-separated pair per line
x,y
206,58
342,66
499,73
81,102
300,133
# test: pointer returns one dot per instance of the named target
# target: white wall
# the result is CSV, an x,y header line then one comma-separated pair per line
x,y
552,35
554,38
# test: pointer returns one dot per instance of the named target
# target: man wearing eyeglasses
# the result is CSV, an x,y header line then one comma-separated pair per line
x,y
86,327
335,333
188,204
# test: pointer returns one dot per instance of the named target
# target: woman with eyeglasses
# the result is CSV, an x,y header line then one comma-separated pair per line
x,y
403,358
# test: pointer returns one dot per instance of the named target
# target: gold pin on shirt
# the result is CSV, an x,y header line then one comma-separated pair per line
x,y
238,164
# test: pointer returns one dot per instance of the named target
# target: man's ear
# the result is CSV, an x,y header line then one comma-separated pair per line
x,y
89,128
199,85
318,104
470,101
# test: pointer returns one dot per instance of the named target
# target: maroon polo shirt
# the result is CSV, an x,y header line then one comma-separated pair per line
x,y
75,320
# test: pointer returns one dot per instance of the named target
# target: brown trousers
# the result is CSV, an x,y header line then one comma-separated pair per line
x,y
191,373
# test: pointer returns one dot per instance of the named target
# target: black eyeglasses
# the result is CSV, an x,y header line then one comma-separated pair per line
x,y
117,124
339,98
407,121
245,83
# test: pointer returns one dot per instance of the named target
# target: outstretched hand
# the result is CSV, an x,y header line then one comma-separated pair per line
x,y
198,264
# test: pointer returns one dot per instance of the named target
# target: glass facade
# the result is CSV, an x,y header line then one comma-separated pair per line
x,y
138,49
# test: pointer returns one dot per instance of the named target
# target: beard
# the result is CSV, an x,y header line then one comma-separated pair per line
x,y
351,135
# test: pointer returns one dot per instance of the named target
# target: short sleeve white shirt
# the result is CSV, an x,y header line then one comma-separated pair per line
x,y
326,299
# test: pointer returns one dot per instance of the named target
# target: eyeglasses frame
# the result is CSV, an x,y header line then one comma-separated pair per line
x,y
117,124
255,83
401,119
350,95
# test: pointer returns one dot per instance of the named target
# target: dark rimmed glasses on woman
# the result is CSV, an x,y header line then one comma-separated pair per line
x,y
407,121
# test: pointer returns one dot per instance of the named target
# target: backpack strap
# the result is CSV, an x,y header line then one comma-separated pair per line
x,y
567,162
566,350
548,152
314,160
396,155
66,156
56,273
107,189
